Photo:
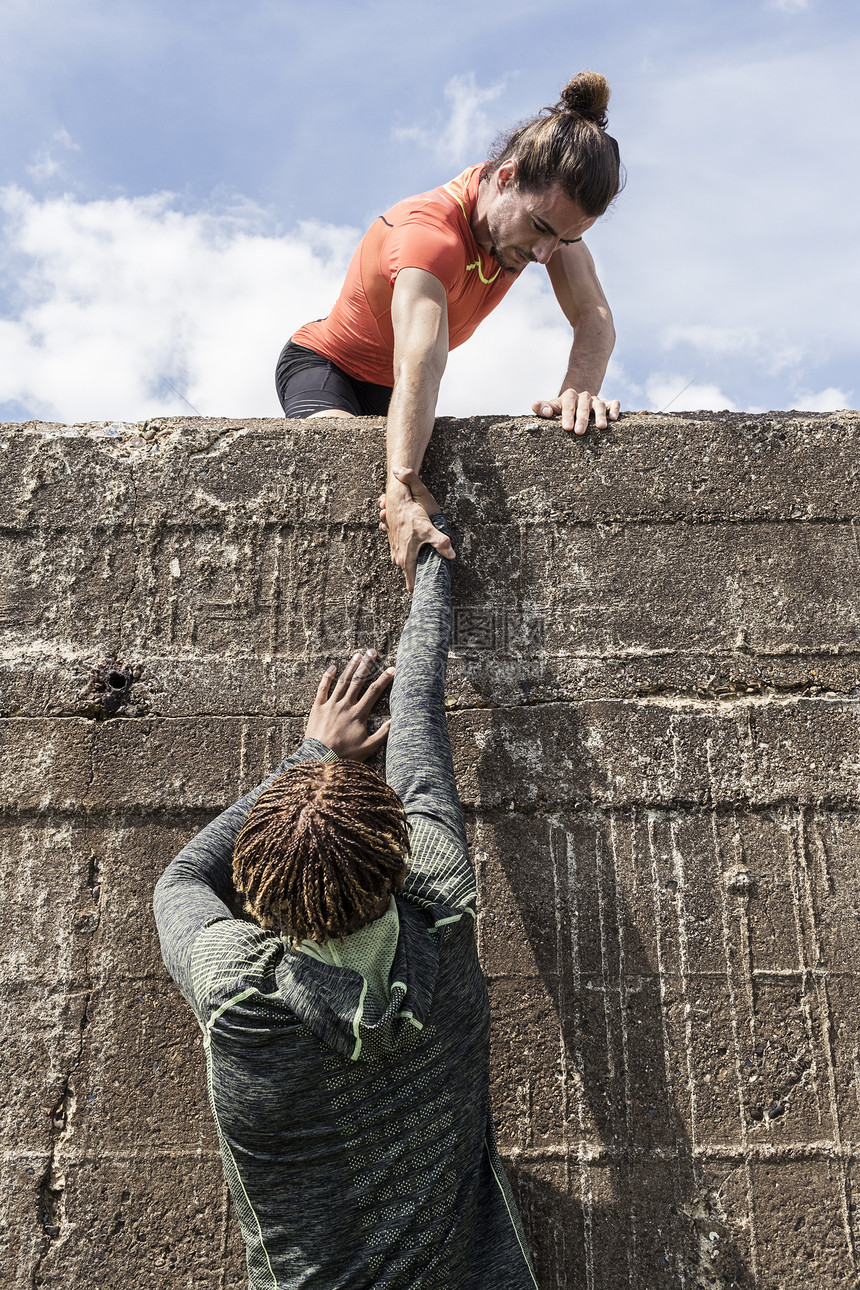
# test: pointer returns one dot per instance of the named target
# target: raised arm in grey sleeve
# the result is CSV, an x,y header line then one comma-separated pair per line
x,y
193,890
418,761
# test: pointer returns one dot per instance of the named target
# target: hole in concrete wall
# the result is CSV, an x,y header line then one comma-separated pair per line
x,y
111,685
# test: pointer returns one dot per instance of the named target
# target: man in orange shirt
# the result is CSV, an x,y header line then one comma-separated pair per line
x,y
430,269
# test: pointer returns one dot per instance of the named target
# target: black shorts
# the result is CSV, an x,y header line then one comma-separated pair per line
x,y
307,383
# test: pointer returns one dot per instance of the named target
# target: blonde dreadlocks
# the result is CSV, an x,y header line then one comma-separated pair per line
x,y
321,849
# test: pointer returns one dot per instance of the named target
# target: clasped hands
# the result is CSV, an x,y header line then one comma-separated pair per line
x,y
404,514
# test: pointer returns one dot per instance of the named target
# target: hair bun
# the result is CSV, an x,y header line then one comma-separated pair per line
x,y
588,94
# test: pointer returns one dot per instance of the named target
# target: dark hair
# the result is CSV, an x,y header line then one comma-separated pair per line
x,y
321,848
567,145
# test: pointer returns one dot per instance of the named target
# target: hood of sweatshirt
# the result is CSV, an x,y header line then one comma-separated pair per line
x,y
338,991
344,992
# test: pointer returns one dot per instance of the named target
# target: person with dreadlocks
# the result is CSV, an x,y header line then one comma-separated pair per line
x,y
344,1014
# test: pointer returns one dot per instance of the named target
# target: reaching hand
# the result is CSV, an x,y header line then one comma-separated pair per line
x,y
575,407
404,513
339,718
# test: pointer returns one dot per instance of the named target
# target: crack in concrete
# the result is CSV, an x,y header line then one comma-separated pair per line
x,y
52,1183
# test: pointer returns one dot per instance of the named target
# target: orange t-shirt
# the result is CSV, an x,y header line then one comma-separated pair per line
x,y
430,231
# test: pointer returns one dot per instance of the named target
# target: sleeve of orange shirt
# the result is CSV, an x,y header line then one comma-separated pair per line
x,y
422,241
426,232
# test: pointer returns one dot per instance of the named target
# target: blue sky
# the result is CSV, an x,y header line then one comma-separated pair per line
x,y
181,185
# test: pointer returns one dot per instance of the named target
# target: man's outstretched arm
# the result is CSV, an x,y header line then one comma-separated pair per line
x,y
419,314
578,291
418,761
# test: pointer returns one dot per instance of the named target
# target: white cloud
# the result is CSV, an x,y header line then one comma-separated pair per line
x,y
829,400
118,301
671,392
467,130
788,6
749,343
46,166
725,249
117,298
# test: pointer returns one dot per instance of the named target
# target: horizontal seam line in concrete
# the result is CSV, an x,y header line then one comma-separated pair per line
x,y
664,699
597,521
70,988
470,654
582,1150
683,701
630,978
60,987
583,808
585,1152
147,1152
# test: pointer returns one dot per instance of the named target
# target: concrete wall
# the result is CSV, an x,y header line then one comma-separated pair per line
x,y
653,703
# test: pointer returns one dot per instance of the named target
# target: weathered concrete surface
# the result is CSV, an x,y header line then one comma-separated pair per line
x,y
653,702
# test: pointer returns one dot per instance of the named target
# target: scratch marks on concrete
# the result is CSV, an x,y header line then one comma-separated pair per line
x,y
52,1183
